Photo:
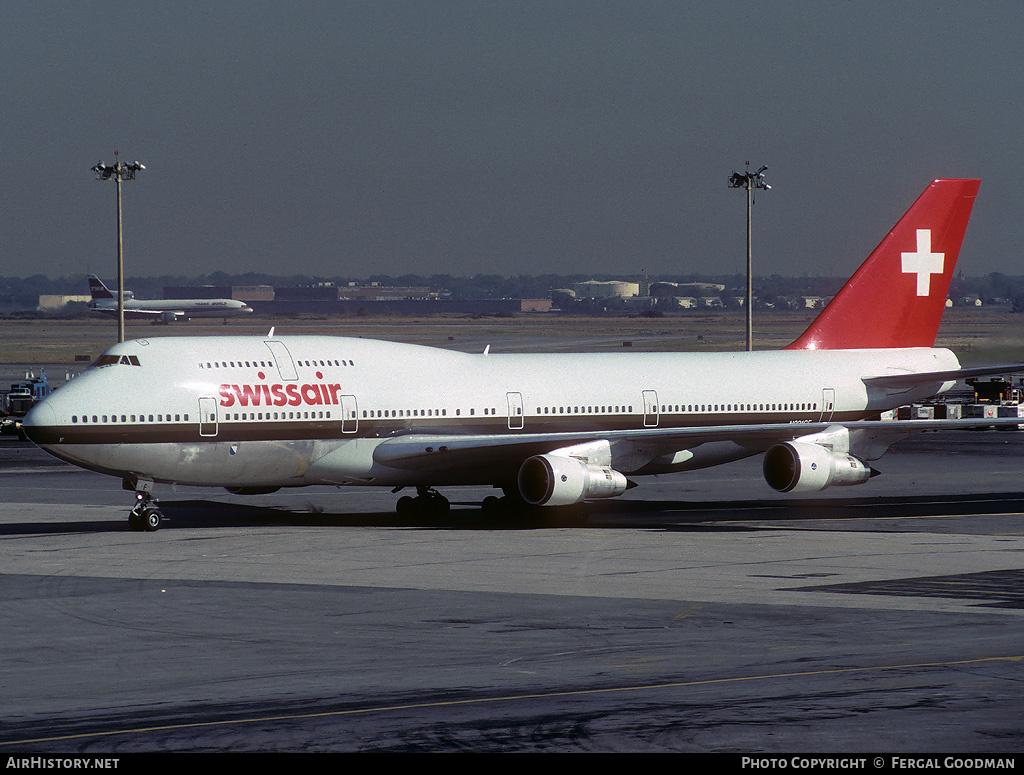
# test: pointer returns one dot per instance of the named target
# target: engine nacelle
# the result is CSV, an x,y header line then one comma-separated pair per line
x,y
797,466
557,480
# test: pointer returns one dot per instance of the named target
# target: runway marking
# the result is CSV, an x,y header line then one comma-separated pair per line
x,y
514,697
687,612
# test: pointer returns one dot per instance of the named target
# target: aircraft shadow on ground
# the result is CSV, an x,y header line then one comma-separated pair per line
x,y
676,515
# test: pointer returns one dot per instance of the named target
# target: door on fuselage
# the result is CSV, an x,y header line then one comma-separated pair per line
x,y
208,417
828,403
650,409
283,359
349,414
515,411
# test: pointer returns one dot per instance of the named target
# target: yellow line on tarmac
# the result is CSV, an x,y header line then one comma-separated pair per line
x,y
512,698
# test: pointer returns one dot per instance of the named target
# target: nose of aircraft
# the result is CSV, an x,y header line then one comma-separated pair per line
x,y
38,418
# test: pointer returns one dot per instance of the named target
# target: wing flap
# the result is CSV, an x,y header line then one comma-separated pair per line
x,y
424,452
177,313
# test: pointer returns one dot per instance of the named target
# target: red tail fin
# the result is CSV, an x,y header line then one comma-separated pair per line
x,y
897,297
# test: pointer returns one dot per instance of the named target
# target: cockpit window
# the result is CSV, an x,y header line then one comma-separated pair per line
x,y
110,360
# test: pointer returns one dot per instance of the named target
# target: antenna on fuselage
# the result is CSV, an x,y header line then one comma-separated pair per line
x,y
271,331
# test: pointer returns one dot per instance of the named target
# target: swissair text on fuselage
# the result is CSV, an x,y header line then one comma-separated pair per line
x,y
310,394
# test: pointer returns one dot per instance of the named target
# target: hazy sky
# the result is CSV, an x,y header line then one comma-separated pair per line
x,y
352,138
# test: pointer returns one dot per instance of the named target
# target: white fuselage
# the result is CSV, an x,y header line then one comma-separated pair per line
x,y
186,308
293,411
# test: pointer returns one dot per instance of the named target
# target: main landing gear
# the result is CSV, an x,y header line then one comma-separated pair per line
x,y
427,503
511,506
146,515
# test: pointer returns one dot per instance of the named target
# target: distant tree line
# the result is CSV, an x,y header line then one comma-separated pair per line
x,y
994,288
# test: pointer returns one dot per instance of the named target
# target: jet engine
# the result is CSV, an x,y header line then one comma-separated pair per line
x,y
798,466
564,479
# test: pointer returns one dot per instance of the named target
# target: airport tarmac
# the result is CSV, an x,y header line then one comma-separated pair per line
x,y
699,612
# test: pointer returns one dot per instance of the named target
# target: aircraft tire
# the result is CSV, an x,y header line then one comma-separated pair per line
x,y
429,505
406,506
437,506
151,519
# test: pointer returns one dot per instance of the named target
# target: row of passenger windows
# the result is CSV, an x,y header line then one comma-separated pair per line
x,y
126,418
229,416
421,412
327,363
802,407
681,407
583,409
407,413
269,364
613,409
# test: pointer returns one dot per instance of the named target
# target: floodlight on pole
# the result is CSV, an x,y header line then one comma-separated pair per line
x,y
750,181
118,172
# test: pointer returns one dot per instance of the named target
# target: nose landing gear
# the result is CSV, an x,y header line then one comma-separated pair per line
x,y
145,515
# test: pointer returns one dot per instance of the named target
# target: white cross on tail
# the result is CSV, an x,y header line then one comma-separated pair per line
x,y
923,263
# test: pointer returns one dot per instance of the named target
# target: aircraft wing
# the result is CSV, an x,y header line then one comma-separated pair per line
x,y
438,452
162,313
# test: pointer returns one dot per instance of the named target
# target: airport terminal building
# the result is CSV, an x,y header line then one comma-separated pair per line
x,y
352,300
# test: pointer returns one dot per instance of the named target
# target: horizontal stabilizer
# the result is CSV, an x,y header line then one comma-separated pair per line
x,y
911,380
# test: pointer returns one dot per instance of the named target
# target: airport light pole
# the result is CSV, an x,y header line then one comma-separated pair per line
x,y
118,172
750,181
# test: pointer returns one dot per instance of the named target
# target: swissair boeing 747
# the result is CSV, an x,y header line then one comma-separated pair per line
x,y
255,414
